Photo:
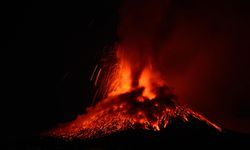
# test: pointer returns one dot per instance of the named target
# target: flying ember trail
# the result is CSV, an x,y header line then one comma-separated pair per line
x,y
136,98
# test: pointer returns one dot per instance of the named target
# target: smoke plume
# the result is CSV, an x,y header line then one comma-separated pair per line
x,y
199,47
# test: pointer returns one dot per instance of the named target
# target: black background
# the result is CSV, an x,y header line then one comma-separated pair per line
x,y
50,50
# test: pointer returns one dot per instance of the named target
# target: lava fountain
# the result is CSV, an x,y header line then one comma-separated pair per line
x,y
135,100
135,96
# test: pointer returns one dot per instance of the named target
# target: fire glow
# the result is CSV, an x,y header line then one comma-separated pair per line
x,y
126,79
144,102
133,92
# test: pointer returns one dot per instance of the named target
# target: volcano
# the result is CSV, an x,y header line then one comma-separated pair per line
x,y
135,96
133,121
129,111
133,93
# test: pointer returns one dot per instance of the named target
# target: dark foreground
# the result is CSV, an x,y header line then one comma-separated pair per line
x,y
194,134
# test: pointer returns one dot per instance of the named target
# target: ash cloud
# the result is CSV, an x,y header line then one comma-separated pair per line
x,y
201,48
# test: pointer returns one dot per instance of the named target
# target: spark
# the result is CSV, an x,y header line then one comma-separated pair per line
x,y
98,75
93,73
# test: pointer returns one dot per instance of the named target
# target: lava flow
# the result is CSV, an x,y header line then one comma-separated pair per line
x,y
136,99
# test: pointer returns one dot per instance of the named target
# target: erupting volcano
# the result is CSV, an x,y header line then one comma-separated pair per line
x,y
134,100
135,96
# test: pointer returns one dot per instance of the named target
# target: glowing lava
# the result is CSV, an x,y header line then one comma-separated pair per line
x,y
134,100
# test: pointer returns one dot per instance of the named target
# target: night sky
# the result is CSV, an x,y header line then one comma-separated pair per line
x,y
50,50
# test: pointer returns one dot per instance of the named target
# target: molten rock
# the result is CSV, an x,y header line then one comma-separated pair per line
x,y
130,110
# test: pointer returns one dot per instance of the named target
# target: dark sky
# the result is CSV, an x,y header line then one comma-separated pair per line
x,y
50,50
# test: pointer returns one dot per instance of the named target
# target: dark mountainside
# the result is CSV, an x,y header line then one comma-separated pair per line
x,y
193,134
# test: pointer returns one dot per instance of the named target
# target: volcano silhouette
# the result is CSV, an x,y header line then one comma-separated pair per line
x,y
107,126
131,111
166,125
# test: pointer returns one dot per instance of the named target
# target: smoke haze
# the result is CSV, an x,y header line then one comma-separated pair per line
x,y
200,48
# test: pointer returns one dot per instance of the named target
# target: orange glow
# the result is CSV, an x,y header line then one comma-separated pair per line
x,y
122,80
148,105
149,80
